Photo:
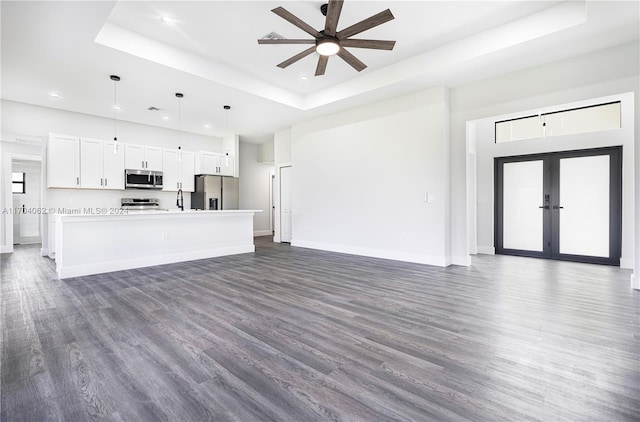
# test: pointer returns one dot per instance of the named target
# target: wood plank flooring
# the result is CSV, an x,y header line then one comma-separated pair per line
x,y
291,334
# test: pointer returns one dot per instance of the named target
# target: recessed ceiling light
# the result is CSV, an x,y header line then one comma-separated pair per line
x,y
303,77
165,117
167,19
207,126
117,107
55,95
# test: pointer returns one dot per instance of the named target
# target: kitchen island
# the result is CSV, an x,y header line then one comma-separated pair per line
x,y
92,244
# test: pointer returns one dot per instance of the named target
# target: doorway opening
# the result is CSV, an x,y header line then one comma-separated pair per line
x,y
26,190
563,205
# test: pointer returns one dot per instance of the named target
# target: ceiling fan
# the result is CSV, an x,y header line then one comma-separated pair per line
x,y
330,41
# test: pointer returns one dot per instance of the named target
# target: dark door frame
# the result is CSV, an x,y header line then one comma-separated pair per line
x,y
550,203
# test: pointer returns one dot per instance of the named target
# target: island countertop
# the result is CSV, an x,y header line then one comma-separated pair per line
x,y
94,243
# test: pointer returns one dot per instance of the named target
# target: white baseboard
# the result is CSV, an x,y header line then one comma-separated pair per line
x,y
461,260
6,249
440,261
106,267
626,263
44,251
262,233
486,250
635,281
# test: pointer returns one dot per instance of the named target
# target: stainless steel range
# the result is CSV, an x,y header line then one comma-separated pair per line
x,y
141,204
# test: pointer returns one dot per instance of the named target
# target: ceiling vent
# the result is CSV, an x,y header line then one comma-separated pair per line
x,y
152,108
273,36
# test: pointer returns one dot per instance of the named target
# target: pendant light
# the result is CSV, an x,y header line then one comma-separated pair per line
x,y
115,79
179,97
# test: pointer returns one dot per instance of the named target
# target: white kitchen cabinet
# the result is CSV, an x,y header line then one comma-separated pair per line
x,y
140,157
113,161
101,166
214,163
226,164
187,171
63,161
91,164
178,173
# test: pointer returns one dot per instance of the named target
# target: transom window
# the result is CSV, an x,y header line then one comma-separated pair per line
x,y
587,119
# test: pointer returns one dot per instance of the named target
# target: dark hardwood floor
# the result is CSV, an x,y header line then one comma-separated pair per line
x,y
290,334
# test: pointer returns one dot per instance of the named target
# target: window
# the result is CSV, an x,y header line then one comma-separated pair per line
x,y
565,122
17,183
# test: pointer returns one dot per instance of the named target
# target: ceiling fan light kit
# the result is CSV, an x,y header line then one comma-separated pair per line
x,y
330,41
327,46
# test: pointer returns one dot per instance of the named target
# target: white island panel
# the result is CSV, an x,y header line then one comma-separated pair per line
x,y
92,244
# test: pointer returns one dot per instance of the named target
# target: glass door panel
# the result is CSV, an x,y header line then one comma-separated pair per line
x,y
522,197
561,205
584,205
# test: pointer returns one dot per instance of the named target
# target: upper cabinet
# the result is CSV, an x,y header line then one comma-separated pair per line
x,y
63,161
87,163
140,157
178,170
101,164
214,163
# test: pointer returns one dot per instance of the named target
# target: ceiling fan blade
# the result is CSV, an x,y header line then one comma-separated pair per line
x,y
322,65
285,41
297,57
333,14
288,16
373,21
376,44
352,60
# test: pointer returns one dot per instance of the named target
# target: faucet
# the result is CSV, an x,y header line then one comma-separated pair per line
x,y
180,200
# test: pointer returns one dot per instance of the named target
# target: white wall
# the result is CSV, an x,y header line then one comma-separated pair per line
x,y
361,180
600,74
487,150
255,187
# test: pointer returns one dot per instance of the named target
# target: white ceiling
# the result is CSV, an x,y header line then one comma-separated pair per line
x,y
210,53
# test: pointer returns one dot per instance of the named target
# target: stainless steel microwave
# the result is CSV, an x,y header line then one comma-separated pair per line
x,y
142,179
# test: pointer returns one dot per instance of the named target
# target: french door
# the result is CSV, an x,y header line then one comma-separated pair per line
x,y
565,205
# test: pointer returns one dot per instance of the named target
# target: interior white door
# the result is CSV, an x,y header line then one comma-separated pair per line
x,y
285,204
523,193
584,205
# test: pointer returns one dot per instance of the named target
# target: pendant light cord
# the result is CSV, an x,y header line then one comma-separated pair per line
x,y
115,112
115,79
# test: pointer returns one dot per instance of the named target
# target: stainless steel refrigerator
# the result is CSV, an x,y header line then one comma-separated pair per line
x,y
215,193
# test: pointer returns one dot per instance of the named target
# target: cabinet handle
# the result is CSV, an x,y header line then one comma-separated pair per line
x,y
105,181
101,182
77,180
146,163
142,164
